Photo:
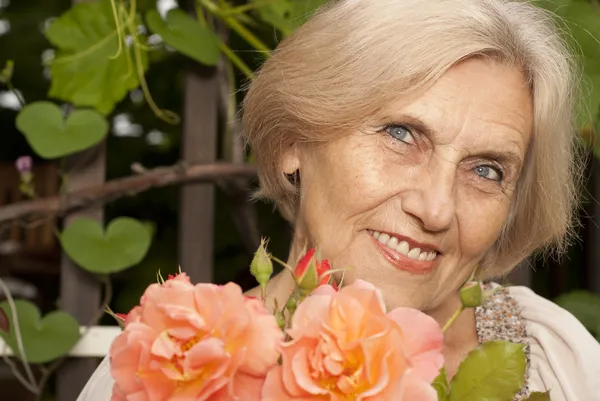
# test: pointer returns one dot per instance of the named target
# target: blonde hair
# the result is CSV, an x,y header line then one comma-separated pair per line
x,y
354,56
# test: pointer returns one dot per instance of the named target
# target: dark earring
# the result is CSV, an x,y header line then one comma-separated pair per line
x,y
294,178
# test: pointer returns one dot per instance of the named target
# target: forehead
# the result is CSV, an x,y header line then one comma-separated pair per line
x,y
477,98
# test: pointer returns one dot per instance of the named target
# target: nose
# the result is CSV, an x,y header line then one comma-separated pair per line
x,y
432,200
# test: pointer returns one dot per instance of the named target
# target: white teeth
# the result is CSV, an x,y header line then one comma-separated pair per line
x,y
383,238
414,253
403,247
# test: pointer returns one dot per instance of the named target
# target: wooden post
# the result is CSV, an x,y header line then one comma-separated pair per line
x,y
79,290
198,145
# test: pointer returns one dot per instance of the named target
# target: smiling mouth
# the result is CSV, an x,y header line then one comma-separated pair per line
x,y
402,247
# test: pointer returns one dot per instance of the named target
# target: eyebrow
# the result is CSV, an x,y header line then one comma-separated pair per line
x,y
504,156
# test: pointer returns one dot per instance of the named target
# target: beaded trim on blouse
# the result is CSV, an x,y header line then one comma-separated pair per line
x,y
499,319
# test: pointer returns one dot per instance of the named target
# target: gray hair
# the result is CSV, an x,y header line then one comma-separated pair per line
x,y
354,56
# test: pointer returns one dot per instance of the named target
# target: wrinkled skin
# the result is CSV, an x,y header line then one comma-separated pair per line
x,y
444,174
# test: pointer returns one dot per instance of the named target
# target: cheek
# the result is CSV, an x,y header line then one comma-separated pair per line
x,y
342,185
480,223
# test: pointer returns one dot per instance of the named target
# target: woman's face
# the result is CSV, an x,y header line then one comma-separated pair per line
x,y
413,203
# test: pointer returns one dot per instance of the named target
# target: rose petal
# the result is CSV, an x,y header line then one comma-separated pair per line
x,y
415,389
365,293
265,336
302,376
273,389
421,332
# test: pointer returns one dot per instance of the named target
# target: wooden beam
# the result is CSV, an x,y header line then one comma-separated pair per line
x,y
80,292
75,199
198,145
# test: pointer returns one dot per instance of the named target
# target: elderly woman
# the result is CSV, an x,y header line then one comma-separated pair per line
x,y
415,140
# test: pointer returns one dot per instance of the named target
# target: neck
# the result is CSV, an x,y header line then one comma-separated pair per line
x,y
462,330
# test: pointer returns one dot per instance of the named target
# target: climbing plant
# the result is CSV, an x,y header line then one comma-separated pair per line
x,y
102,53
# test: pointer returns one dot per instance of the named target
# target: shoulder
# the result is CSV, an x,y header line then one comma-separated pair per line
x,y
100,385
564,356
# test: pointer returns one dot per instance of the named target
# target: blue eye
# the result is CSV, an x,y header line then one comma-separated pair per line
x,y
489,173
400,133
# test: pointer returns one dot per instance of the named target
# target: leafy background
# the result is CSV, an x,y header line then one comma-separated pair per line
x,y
68,56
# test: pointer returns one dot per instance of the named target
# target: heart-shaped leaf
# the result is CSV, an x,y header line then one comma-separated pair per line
x,y
50,135
494,371
91,67
124,244
535,396
186,35
44,340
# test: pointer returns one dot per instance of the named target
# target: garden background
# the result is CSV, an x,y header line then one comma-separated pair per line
x,y
154,175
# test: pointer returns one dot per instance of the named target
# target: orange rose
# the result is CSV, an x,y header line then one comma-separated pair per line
x,y
345,347
189,343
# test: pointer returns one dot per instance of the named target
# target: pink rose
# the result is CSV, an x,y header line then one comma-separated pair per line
x,y
345,347
202,342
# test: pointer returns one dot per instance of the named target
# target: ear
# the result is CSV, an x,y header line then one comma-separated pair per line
x,y
290,161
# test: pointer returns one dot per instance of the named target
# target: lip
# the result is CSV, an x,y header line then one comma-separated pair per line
x,y
403,262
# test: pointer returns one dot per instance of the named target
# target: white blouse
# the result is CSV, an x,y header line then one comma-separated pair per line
x,y
564,357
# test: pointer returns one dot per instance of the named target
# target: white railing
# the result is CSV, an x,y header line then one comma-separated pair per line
x,y
95,342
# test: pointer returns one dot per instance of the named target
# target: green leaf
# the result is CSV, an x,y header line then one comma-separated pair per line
x,y
287,16
585,306
186,35
583,21
494,371
124,244
51,136
440,384
44,340
535,396
90,68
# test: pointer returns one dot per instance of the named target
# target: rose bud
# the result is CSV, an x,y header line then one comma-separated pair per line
x,y
472,295
311,273
262,266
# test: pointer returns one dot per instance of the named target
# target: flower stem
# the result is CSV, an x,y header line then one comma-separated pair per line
x,y
263,292
453,318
